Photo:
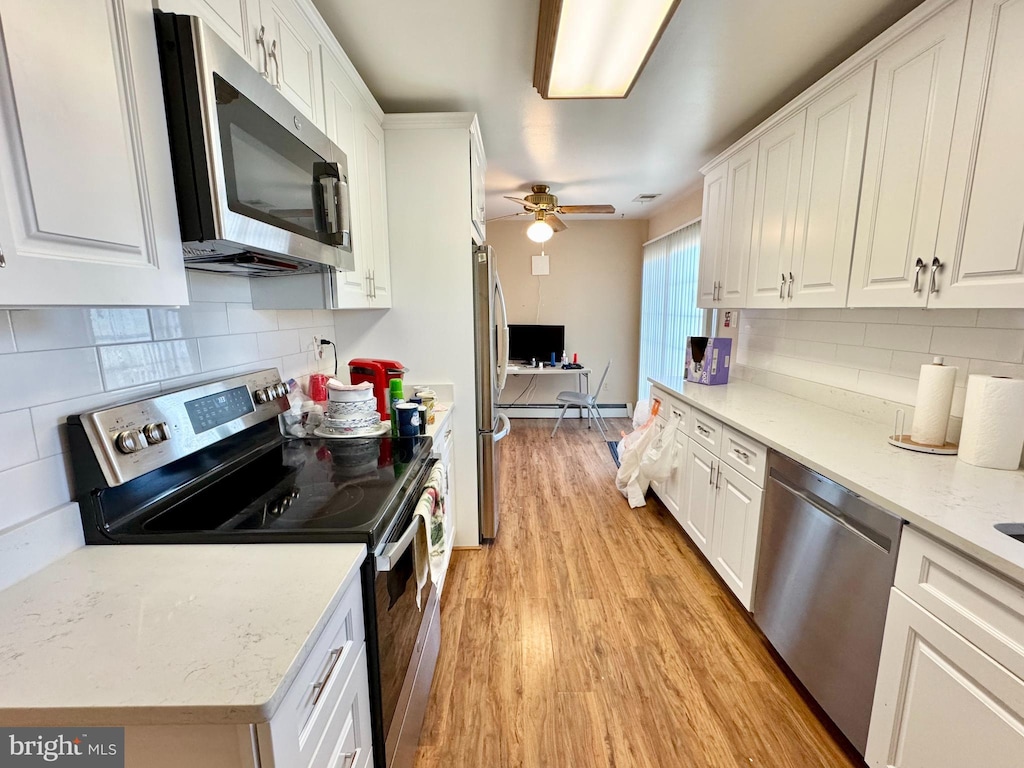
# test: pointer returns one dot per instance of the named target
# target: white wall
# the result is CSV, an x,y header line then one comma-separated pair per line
x,y
876,353
56,362
677,211
593,290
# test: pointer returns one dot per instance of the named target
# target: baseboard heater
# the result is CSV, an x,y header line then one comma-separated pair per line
x,y
551,410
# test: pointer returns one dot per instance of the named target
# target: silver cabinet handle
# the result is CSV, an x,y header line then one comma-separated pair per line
x,y
262,43
917,275
711,474
704,431
789,295
3,261
782,287
367,278
373,284
320,684
349,759
742,454
718,476
277,65
933,285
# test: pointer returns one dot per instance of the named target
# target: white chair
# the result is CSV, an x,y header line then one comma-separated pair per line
x,y
571,398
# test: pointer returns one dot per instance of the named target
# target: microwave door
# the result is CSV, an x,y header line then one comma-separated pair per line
x,y
331,195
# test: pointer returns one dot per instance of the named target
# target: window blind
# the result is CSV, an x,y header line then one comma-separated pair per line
x,y
669,312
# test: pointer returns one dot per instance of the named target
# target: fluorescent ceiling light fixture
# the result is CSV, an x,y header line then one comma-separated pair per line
x,y
596,49
540,231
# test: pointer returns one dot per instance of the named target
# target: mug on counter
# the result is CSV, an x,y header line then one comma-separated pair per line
x,y
429,397
408,419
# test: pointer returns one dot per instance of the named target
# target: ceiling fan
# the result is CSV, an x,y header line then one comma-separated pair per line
x,y
544,207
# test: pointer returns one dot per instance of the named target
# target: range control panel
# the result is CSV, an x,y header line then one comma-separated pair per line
x,y
133,439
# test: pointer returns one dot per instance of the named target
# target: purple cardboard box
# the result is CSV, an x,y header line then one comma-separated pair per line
x,y
708,359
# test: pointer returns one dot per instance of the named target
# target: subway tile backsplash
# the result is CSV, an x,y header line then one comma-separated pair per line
x,y
799,350
62,361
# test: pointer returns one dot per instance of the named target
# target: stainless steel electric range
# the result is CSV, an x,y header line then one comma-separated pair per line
x,y
208,464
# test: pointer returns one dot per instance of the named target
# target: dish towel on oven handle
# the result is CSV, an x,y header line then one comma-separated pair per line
x,y
437,483
421,544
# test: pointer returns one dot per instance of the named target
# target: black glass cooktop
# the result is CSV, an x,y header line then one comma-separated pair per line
x,y
299,489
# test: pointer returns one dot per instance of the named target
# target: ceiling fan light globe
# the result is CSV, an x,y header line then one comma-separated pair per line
x,y
539,232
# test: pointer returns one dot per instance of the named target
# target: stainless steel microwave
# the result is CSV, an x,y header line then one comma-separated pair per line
x,y
260,189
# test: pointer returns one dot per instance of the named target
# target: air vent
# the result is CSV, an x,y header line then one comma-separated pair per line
x,y
646,198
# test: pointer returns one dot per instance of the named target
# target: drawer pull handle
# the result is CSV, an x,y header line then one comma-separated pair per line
x,y
448,433
742,454
704,431
349,759
321,684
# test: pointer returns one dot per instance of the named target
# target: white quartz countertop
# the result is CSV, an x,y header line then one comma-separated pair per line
x,y
166,634
441,418
951,500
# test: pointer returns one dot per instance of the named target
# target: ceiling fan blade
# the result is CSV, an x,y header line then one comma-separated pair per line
x,y
525,203
511,215
556,223
586,209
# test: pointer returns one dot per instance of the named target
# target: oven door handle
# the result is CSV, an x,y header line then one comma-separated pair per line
x,y
387,559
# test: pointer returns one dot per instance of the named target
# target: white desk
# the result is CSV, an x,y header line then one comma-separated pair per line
x,y
582,377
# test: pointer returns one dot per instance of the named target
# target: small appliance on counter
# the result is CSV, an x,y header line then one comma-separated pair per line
x,y
379,373
708,359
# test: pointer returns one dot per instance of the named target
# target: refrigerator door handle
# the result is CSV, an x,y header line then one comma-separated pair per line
x,y
502,362
506,427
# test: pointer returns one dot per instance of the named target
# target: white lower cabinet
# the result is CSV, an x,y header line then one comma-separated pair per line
x,y
737,528
950,690
697,510
941,702
715,492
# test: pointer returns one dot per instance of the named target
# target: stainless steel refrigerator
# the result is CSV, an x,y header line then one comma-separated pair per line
x,y
491,332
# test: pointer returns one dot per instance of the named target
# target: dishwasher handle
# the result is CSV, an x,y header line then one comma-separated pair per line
x,y
853,523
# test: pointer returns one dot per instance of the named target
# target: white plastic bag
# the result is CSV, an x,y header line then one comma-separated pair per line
x,y
645,454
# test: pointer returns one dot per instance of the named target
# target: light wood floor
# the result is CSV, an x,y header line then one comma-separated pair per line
x,y
594,635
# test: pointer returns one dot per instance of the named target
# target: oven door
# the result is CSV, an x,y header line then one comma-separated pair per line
x,y
408,639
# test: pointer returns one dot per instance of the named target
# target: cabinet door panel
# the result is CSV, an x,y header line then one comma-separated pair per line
x,y
712,230
940,701
913,106
237,22
778,185
737,527
340,124
84,157
373,196
698,512
677,480
830,178
295,64
981,234
733,260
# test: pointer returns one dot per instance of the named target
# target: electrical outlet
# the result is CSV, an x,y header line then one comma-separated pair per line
x,y
318,351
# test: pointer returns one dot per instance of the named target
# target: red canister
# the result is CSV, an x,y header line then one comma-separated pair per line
x,y
318,387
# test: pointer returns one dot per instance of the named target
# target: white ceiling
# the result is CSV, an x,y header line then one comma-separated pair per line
x,y
721,67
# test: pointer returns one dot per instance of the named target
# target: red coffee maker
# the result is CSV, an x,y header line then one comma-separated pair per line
x,y
379,373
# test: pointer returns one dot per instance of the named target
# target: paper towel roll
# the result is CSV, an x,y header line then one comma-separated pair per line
x,y
934,398
993,431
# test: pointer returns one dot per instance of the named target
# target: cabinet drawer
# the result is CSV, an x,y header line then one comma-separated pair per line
x,y
346,740
746,456
984,607
314,695
706,431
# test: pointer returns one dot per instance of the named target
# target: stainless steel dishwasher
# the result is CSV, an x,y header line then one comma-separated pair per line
x,y
825,567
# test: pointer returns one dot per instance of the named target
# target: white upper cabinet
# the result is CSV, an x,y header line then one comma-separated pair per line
x,y
712,230
478,172
90,214
373,197
237,22
981,231
779,154
734,258
293,53
833,157
912,110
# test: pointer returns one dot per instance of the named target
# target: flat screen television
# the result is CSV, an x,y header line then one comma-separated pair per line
x,y
535,341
